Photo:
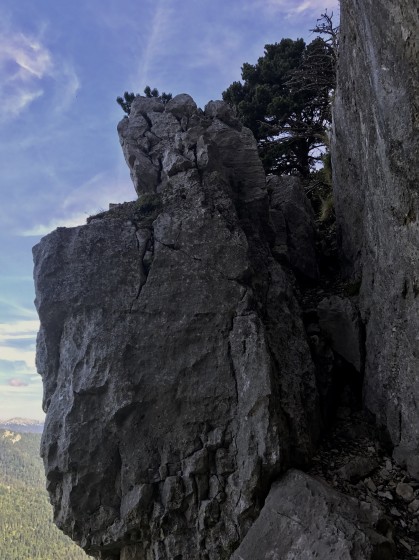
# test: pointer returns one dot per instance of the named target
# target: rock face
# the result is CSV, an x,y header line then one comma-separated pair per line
x,y
339,320
178,380
292,217
375,162
303,518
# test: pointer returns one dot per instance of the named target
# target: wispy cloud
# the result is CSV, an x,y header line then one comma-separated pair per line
x,y
9,307
20,385
16,382
68,86
18,329
14,103
46,227
291,7
30,57
23,64
22,355
27,70
21,400
158,40
90,198
212,49
8,367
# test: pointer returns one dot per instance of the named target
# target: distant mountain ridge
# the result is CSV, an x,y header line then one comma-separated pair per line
x,y
22,425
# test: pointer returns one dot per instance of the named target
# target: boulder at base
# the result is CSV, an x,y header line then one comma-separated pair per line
x,y
305,519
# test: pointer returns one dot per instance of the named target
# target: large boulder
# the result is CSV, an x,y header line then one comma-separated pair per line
x,y
178,380
375,176
303,518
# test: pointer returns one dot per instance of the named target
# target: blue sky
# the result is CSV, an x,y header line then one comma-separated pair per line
x,y
62,64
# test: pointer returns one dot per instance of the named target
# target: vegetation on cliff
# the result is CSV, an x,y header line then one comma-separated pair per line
x,y
285,99
128,98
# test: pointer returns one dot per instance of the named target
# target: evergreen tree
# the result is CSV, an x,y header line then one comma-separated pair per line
x,y
285,100
126,101
27,531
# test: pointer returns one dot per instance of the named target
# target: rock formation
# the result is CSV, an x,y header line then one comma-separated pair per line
x,y
326,525
375,167
172,347
183,382
292,218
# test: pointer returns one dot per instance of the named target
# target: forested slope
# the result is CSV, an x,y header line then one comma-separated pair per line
x,y
26,528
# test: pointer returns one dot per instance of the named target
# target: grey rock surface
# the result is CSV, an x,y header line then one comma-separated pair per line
x,y
293,220
178,380
375,166
304,518
357,468
351,448
339,320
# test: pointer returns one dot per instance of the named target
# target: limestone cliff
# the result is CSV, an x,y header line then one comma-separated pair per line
x,y
178,378
375,163
182,379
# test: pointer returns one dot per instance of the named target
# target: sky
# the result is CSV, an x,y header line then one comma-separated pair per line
x,y
62,65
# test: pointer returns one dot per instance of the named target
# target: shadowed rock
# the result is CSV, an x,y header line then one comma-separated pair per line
x,y
339,320
293,220
304,518
375,176
178,380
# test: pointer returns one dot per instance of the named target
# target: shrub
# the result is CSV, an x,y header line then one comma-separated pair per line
x,y
126,101
149,203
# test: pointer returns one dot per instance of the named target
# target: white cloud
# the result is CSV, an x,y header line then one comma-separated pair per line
x,y
291,7
69,85
23,401
26,55
92,197
212,49
29,71
23,64
158,40
39,230
14,103
18,329
20,385
16,308
15,331
302,7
